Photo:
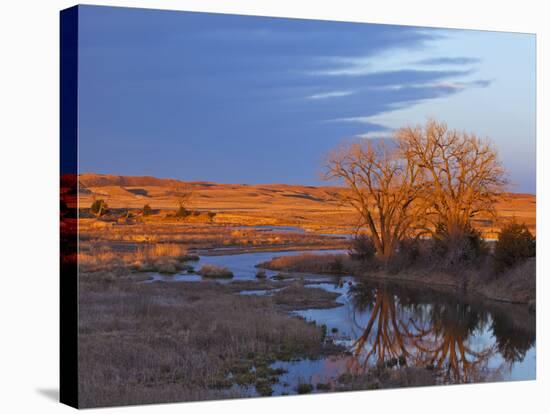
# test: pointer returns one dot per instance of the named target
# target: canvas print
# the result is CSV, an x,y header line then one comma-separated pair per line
x,y
256,206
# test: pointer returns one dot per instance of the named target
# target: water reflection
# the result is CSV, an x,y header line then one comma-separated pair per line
x,y
385,336
456,339
512,342
447,343
387,324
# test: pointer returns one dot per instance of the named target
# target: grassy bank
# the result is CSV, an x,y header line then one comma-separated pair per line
x,y
515,285
161,342
312,263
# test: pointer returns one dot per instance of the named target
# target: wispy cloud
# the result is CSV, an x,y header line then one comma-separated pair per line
x,y
333,94
448,61
444,85
376,135
358,119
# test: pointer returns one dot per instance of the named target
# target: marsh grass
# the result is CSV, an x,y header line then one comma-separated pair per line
x,y
196,235
381,377
216,272
151,343
162,257
297,296
516,284
311,263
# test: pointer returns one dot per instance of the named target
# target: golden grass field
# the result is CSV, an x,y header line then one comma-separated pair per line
x,y
316,209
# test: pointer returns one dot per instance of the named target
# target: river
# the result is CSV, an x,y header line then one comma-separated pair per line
x,y
462,341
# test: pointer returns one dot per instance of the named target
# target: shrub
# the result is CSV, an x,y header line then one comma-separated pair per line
x,y
182,212
409,249
147,210
407,254
362,248
211,215
515,243
457,251
99,207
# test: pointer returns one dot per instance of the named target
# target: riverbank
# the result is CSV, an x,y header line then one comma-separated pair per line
x,y
516,285
159,342
283,333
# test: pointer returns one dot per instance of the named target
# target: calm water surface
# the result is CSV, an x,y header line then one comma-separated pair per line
x,y
460,340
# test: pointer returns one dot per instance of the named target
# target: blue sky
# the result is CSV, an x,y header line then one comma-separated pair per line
x,y
240,99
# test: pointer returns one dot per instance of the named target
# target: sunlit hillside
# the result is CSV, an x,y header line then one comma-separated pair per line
x,y
313,208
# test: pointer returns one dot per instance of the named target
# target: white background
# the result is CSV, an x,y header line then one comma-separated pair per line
x,y
29,138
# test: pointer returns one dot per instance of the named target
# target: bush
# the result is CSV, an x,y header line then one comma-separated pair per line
x,y
99,207
182,212
515,243
362,248
409,249
457,251
407,254
211,215
147,210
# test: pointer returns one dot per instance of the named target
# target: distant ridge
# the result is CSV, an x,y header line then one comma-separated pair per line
x,y
110,180
106,180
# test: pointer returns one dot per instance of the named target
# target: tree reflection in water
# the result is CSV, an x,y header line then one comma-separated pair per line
x,y
512,341
385,336
406,330
446,344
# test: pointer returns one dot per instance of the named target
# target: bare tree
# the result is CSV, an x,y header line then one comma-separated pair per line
x,y
464,175
99,207
183,196
384,187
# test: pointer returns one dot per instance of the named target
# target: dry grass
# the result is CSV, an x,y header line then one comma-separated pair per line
x,y
197,236
162,250
311,263
167,258
161,342
297,296
382,377
213,271
517,284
